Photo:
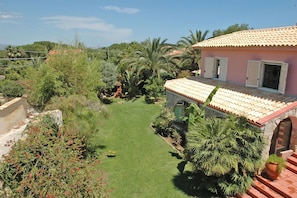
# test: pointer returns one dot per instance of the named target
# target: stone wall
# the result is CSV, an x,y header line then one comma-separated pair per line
x,y
172,99
12,113
270,127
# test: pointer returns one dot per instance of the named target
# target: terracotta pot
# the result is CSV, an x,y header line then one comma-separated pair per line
x,y
271,169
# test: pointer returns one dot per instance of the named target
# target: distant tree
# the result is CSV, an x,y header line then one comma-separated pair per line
x,y
190,58
233,28
127,51
3,53
40,45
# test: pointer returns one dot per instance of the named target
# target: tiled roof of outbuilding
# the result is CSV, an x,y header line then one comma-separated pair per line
x,y
256,105
280,36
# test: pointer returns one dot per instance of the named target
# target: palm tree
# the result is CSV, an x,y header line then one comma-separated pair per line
x,y
227,151
148,61
154,57
191,57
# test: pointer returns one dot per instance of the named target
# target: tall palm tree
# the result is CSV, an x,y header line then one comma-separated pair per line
x,y
154,57
191,57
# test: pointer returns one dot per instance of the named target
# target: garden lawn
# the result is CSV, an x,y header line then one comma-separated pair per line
x,y
144,165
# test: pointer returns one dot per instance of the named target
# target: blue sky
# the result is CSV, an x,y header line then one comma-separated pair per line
x,y
101,23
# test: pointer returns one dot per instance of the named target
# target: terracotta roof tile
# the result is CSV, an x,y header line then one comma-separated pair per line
x,y
281,36
256,105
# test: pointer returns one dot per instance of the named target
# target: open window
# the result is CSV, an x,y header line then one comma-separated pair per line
x,y
267,74
215,67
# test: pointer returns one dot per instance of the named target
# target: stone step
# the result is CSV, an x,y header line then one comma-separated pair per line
x,y
291,167
266,190
245,195
292,159
294,154
253,192
275,186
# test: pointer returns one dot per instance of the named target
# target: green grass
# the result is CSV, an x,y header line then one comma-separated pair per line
x,y
144,165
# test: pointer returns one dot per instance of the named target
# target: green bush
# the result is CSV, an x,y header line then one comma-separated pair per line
x,y
50,163
153,89
12,89
163,123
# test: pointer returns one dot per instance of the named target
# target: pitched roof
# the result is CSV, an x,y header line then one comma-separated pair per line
x,y
280,36
256,105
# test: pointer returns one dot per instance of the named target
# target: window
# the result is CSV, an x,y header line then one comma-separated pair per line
x,y
271,76
267,74
215,67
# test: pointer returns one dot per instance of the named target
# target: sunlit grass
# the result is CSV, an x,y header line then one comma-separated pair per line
x,y
143,165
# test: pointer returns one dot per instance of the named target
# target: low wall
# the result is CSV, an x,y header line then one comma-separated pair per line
x,y
12,113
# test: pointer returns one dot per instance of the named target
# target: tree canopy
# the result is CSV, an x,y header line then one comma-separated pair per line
x,y
233,28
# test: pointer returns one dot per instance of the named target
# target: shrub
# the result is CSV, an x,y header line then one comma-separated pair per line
x,y
109,76
163,123
12,89
184,74
69,72
49,163
81,115
153,89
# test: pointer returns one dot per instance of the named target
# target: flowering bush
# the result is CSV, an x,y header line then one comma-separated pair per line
x,y
50,163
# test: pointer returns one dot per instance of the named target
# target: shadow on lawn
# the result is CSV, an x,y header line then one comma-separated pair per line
x,y
94,148
175,154
190,183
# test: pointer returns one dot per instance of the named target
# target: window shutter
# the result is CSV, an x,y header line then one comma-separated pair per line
x,y
208,67
223,69
283,78
253,73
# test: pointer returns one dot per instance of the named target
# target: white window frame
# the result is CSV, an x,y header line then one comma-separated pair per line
x,y
255,74
210,68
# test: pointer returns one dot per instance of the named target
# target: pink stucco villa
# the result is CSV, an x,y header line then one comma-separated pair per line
x,y
257,72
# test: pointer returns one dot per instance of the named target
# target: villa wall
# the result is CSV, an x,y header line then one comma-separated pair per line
x,y
238,60
12,113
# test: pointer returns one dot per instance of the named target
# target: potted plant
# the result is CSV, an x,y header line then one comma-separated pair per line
x,y
274,166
